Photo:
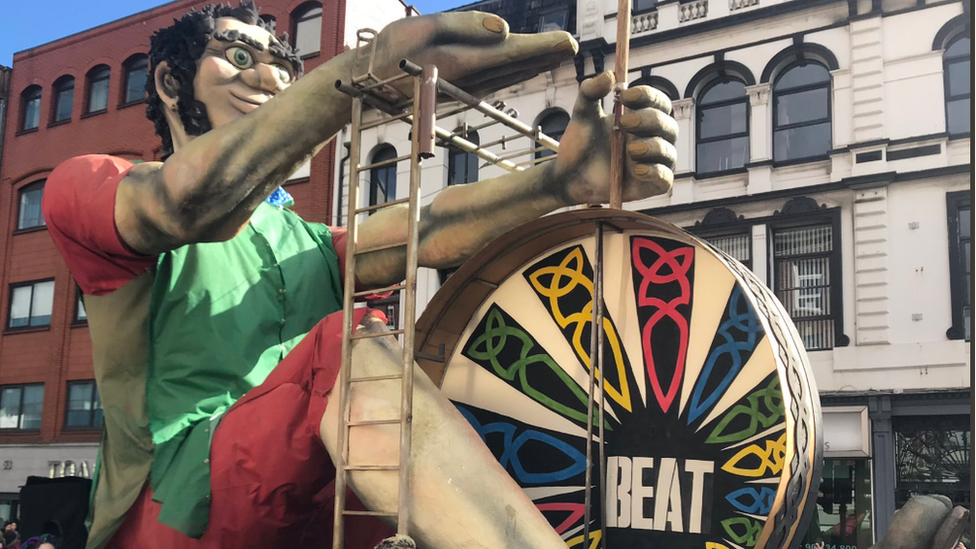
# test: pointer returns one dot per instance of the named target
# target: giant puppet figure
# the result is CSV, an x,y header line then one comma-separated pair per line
x,y
213,311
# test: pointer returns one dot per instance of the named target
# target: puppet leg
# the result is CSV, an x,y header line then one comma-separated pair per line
x,y
460,495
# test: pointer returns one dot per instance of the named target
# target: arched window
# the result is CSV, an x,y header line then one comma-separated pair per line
x,y
29,213
383,179
136,74
30,109
462,166
722,129
307,28
98,81
64,96
801,112
660,84
554,125
957,71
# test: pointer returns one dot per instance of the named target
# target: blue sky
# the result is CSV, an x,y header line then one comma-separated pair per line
x,y
28,24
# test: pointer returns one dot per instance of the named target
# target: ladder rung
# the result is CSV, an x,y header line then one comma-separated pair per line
x,y
369,513
381,248
380,334
372,467
375,378
382,163
383,205
394,421
394,288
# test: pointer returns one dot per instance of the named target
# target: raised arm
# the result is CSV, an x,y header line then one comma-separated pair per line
x,y
210,186
464,218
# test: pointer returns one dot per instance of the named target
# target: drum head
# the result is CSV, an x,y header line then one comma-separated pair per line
x,y
712,423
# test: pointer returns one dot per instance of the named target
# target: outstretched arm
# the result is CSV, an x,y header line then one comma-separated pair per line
x,y
464,218
208,189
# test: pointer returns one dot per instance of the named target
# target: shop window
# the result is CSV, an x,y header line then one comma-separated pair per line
x,y
9,506
383,179
801,113
307,28
30,304
842,514
462,166
30,100
29,213
933,457
98,82
806,264
136,74
554,125
957,71
959,209
84,407
64,96
21,406
722,129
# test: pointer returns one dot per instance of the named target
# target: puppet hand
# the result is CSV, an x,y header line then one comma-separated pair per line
x,y
472,50
583,166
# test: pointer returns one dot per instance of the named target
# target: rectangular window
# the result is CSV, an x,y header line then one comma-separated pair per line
x,y
20,406
81,315
62,103
31,304
552,21
842,514
84,409
803,258
640,6
30,214
959,211
303,172
32,113
739,246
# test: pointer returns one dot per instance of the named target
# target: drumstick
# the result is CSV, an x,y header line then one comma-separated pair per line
x,y
621,61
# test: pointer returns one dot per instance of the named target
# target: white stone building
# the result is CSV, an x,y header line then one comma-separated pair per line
x,y
826,144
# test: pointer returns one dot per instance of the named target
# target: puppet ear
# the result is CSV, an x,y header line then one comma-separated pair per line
x,y
167,85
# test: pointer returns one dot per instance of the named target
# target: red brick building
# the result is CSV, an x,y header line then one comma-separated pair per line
x,y
84,94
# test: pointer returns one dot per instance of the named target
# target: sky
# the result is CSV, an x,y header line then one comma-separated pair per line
x,y
22,27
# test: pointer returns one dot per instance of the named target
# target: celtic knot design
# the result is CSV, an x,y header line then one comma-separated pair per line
x,y
498,336
756,501
771,458
743,530
764,408
576,512
667,268
735,340
554,285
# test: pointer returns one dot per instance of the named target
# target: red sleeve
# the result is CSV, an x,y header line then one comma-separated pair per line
x,y
79,208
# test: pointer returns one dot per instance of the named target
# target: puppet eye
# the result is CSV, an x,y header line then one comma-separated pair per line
x,y
240,57
283,74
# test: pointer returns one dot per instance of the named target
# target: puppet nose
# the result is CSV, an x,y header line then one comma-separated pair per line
x,y
263,77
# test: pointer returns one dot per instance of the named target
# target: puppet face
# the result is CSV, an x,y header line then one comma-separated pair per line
x,y
237,73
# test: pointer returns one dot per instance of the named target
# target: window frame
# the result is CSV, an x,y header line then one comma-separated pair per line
x,y
128,69
636,11
10,305
836,288
946,61
76,320
734,229
94,77
300,15
699,110
828,85
60,86
455,154
26,98
93,398
30,187
20,414
955,201
373,194
563,12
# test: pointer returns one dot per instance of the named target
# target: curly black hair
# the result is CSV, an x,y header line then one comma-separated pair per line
x,y
181,45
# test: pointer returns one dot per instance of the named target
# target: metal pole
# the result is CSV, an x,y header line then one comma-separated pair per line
x,y
617,158
349,283
601,313
588,475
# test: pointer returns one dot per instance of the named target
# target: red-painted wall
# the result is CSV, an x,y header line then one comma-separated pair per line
x,y
62,352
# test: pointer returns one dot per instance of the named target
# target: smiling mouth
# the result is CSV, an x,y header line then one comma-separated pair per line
x,y
251,102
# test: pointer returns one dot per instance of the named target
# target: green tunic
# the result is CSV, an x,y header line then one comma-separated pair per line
x,y
221,317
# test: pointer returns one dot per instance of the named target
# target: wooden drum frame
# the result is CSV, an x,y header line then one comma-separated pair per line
x,y
712,420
